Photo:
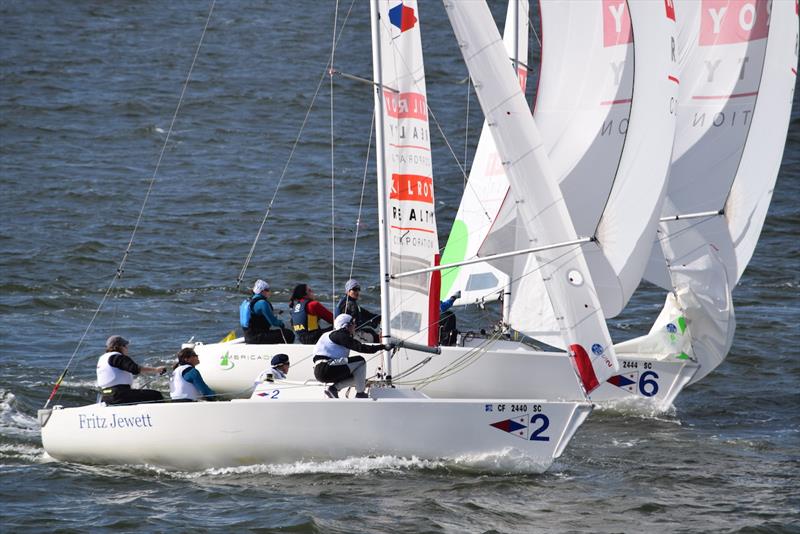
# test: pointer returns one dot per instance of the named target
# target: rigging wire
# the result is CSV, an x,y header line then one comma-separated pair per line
x,y
326,71
361,198
466,128
333,164
121,267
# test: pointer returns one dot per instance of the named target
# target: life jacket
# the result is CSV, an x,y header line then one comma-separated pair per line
x,y
179,387
302,320
328,349
108,376
246,315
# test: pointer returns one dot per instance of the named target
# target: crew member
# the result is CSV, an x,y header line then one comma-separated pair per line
x,y
115,372
332,360
279,368
186,383
263,327
306,313
366,321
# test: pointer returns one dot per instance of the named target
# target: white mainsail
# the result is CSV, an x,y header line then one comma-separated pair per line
x,y
738,63
485,191
412,240
534,191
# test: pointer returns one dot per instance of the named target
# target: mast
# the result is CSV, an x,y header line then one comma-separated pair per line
x,y
380,157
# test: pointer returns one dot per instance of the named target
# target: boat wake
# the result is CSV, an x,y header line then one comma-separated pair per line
x,y
13,422
637,407
506,461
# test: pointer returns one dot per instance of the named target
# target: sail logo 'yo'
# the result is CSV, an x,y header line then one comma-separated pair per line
x,y
402,17
736,21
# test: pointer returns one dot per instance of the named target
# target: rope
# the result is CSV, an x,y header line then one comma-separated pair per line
x,y
121,267
532,26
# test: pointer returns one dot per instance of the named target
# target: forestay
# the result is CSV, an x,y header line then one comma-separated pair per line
x,y
412,240
738,68
534,191
485,191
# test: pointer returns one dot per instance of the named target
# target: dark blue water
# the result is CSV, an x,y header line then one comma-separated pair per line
x,y
87,95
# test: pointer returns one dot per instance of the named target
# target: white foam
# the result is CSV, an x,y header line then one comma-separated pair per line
x,y
12,421
20,451
648,408
505,461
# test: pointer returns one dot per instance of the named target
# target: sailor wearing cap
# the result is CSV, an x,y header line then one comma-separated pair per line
x,y
366,321
332,360
279,368
115,372
257,318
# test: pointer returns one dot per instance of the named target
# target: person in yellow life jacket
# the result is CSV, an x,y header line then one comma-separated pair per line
x,y
306,314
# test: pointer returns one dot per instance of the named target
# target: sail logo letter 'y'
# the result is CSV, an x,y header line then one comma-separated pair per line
x,y
733,21
616,23
402,17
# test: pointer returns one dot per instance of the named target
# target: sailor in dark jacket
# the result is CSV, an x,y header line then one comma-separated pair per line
x,y
366,321
332,360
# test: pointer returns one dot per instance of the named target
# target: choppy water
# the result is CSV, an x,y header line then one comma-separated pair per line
x,y
87,94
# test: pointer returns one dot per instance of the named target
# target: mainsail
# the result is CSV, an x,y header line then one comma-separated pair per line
x,y
534,192
738,63
411,241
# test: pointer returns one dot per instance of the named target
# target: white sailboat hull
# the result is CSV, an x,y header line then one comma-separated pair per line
x,y
191,436
501,369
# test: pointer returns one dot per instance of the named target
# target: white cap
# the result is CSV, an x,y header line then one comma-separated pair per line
x,y
342,321
351,284
260,286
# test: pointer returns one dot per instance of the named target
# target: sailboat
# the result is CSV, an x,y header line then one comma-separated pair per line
x,y
497,249
303,424
740,62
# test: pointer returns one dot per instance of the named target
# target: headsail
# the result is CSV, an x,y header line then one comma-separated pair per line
x,y
412,240
485,191
608,130
738,62
534,191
